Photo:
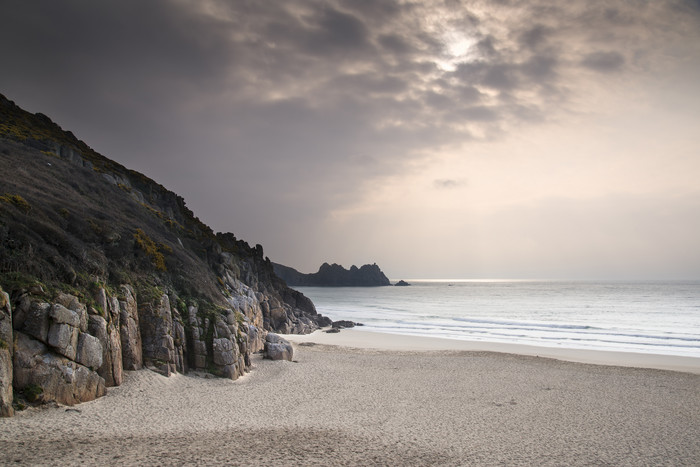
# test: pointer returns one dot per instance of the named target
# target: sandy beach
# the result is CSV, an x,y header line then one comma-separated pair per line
x,y
369,400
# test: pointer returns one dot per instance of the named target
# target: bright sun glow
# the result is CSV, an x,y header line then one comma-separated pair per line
x,y
458,49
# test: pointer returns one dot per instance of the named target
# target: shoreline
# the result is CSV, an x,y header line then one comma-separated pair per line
x,y
361,339
404,405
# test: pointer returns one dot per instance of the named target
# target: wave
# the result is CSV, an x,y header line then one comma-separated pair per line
x,y
653,317
541,327
666,346
591,336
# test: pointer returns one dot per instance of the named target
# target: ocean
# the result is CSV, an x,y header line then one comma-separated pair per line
x,y
648,317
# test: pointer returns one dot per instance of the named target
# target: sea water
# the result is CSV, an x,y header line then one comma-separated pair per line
x,y
651,317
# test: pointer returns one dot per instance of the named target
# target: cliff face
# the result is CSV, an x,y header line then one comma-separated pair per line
x,y
104,270
334,275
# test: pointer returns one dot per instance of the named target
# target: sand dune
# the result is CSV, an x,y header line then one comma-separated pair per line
x,y
342,406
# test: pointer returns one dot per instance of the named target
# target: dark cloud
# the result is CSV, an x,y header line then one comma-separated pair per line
x,y
469,94
604,62
338,32
502,76
487,47
374,11
534,37
253,109
437,100
133,42
479,113
395,44
370,83
540,68
125,61
110,71
617,17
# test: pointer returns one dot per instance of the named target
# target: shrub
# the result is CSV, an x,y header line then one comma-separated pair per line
x,y
240,319
16,403
148,293
144,242
15,281
16,200
31,392
165,248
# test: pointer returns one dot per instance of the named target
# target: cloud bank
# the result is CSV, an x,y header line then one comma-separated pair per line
x,y
294,123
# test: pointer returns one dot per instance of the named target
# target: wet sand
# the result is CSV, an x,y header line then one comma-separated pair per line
x,y
358,338
349,405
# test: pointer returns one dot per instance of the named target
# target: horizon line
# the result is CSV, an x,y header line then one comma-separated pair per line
x,y
550,280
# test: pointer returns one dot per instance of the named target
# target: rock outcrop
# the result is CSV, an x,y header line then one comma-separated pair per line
x,y
344,324
103,270
334,275
6,351
278,348
130,334
52,377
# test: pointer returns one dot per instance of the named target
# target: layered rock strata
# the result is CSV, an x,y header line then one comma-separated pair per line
x,y
71,352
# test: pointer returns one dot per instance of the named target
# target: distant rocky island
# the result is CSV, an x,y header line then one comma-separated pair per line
x,y
333,275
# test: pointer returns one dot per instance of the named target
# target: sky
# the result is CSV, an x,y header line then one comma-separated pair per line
x,y
438,139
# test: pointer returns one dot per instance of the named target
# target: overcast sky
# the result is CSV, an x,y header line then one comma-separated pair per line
x,y
439,139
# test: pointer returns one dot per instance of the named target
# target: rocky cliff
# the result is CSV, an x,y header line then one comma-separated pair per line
x,y
334,275
103,270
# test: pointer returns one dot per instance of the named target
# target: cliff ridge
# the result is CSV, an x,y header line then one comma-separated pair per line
x,y
104,270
